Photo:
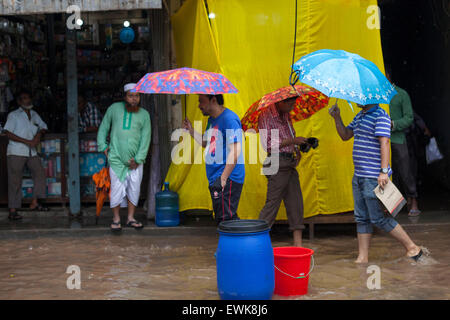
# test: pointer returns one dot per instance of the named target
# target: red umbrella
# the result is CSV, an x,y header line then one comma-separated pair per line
x,y
309,102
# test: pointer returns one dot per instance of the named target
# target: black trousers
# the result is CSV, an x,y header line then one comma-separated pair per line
x,y
402,170
225,202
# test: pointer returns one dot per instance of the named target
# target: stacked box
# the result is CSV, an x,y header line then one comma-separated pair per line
x,y
91,163
53,187
52,166
92,146
88,146
27,188
50,146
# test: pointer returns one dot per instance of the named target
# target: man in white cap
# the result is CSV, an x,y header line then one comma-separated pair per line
x,y
129,129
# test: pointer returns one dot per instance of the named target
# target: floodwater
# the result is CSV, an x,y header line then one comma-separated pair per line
x,y
133,266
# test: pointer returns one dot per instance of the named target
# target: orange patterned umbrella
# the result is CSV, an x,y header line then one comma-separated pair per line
x,y
309,102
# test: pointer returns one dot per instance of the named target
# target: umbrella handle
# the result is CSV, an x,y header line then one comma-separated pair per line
x,y
106,162
350,104
185,107
335,102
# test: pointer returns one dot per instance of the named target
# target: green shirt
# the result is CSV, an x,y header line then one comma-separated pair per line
x,y
130,135
402,115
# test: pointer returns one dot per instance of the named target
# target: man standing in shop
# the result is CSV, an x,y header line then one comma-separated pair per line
x,y
402,116
24,129
224,160
89,118
129,128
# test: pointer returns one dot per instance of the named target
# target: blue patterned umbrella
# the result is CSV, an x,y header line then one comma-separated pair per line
x,y
344,75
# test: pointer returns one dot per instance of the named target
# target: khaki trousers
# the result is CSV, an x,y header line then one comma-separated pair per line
x,y
15,172
284,185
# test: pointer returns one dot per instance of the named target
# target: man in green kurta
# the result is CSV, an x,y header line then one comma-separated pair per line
x,y
402,116
129,129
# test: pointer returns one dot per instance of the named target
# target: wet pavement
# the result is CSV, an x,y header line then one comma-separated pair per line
x,y
178,263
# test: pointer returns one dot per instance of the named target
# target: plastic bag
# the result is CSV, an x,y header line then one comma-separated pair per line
x,y
432,151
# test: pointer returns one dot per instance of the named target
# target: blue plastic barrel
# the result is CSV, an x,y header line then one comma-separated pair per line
x,y
244,260
167,208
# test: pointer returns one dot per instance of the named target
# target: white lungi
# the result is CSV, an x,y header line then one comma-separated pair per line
x,y
128,189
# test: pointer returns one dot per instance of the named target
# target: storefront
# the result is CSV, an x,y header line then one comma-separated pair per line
x,y
111,46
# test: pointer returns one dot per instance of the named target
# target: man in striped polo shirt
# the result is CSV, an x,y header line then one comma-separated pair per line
x,y
371,129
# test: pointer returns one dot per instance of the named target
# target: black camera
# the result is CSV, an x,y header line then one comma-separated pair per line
x,y
310,143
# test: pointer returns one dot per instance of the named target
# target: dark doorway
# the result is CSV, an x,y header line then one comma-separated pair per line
x,y
415,37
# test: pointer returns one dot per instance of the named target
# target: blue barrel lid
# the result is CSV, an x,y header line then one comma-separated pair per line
x,y
243,226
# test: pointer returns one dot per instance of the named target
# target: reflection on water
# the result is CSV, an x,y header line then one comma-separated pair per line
x,y
183,267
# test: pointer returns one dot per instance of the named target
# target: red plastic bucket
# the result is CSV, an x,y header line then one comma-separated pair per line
x,y
292,269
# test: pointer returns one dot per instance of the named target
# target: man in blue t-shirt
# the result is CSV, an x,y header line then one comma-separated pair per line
x,y
224,160
371,129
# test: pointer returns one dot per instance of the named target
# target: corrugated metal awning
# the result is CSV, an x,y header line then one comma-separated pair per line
x,y
17,7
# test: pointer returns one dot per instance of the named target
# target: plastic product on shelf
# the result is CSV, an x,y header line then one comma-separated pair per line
x,y
88,146
58,164
50,146
27,188
53,187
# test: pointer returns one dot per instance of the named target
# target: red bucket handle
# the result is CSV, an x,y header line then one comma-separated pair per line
x,y
301,276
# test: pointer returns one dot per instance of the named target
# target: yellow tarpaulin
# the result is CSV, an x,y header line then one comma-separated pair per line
x,y
251,43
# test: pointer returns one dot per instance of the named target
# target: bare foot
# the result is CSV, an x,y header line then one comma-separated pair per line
x,y
34,203
414,206
413,252
362,260
297,234
116,226
408,204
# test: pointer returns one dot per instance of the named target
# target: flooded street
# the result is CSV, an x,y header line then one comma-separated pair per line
x,y
142,266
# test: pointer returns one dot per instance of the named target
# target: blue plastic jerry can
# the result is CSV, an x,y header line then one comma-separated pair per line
x,y
167,208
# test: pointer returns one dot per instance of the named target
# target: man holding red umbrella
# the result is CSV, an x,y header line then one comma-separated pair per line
x,y
272,116
284,183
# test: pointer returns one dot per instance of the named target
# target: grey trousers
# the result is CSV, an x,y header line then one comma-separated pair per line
x,y
15,173
402,169
284,185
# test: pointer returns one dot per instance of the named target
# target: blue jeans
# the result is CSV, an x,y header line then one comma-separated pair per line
x,y
368,210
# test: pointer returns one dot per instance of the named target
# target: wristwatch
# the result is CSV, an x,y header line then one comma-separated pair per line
x,y
385,170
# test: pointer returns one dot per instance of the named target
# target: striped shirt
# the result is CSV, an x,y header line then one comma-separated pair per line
x,y
367,127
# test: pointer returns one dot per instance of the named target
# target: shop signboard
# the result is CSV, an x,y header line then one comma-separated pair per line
x,y
18,7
